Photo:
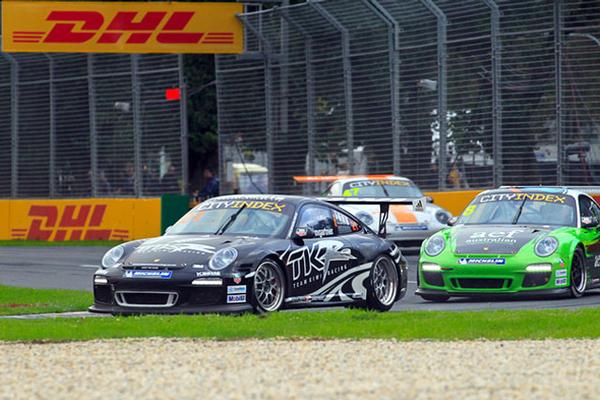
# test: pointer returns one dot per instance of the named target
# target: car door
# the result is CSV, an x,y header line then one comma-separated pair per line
x,y
317,255
590,237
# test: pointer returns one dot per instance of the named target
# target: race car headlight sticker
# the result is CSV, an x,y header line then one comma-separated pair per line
x,y
113,256
223,258
442,217
435,245
364,217
430,267
546,246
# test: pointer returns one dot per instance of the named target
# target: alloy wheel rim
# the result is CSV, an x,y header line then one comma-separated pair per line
x,y
384,281
268,287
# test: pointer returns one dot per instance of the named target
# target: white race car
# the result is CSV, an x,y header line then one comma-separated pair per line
x,y
406,227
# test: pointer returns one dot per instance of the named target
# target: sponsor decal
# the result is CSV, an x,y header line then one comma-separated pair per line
x,y
560,273
275,206
208,273
494,237
236,298
313,264
240,289
419,205
68,222
175,247
549,198
120,27
378,182
412,227
148,274
323,232
237,279
560,281
482,261
198,266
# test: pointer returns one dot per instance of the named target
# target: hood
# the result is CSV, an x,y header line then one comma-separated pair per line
x,y
494,239
180,251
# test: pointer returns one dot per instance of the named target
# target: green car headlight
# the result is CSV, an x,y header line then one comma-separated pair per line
x,y
546,246
435,245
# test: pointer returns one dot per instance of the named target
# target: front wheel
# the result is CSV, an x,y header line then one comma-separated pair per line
x,y
383,288
578,275
268,287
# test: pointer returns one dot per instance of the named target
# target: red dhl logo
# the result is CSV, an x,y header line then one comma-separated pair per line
x,y
75,223
138,30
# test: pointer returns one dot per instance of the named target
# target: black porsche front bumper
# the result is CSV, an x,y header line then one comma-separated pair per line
x,y
176,295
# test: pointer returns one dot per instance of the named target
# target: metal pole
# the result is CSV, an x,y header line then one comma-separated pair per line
x,y
92,121
347,65
442,24
310,88
14,126
137,126
558,48
267,51
496,92
52,90
183,121
394,60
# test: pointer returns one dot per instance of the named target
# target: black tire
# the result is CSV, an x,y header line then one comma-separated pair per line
x,y
383,286
578,274
268,287
437,298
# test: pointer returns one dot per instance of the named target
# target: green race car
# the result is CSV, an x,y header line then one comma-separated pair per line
x,y
515,241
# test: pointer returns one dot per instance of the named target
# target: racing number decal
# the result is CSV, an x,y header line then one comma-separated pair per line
x,y
469,210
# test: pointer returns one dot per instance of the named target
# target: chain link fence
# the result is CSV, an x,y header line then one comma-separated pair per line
x,y
452,94
79,125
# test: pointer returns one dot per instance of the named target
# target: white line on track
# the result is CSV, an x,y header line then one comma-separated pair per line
x,y
89,266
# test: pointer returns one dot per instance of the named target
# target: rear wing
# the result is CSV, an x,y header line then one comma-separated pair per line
x,y
383,203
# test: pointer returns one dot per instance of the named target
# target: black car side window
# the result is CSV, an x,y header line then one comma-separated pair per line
x,y
585,207
345,224
318,219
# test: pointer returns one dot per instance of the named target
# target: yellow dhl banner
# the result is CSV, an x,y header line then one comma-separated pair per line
x,y
120,27
82,219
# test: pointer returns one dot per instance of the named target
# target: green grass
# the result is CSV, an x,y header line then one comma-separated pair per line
x,y
75,243
15,300
348,324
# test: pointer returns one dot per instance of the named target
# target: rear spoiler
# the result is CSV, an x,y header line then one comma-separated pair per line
x,y
383,203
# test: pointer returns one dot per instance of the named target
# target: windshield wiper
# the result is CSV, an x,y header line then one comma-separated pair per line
x,y
226,225
385,191
516,218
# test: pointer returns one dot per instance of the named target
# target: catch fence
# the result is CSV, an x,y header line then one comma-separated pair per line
x,y
453,94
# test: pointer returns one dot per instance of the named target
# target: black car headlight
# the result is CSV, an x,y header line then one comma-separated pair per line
x,y
223,258
113,256
434,246
443,217
546,246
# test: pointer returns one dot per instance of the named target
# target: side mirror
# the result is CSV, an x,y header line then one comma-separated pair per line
x,y
452,221
589,222
429,199
302,233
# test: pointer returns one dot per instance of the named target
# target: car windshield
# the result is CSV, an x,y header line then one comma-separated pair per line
x,y
524,208
381,188
263,218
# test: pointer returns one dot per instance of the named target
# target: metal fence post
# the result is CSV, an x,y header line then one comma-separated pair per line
x,y
183,117
394,59
52,105
347,66
310,88
267,51
558,48
442,24
137,126
14,126
92,119
496,91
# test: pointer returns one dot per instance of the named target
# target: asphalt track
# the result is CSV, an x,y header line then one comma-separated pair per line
x,y
73,267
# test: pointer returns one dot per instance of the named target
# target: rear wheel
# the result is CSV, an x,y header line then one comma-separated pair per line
x,y
438,298
268,287
578,274
383,288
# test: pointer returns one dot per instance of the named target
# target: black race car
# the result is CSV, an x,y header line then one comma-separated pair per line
x,y
256,252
